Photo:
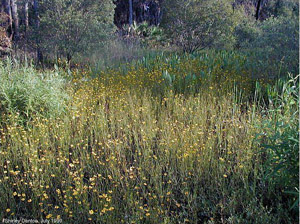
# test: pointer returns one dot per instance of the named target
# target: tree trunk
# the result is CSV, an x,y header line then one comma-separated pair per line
x,y
257,9
26,16
26,21
36,12
15,16
37,27
130,13
7,10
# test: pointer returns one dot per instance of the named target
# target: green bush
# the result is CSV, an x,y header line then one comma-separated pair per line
x,y
273,43
66,28
280,139
193,25
25,91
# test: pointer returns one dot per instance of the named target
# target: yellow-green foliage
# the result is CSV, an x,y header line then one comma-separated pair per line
x,y
124,154
183,74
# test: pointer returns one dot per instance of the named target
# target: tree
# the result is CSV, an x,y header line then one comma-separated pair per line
x,y
197,24
26,15
37,30
130,13
263,9
7,9
69,27
15,17
257,9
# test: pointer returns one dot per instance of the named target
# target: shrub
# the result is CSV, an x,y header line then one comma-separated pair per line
x,y
66,28
25,91
273,42
193,25
280,141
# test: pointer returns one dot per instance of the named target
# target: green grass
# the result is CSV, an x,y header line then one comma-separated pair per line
x,y
26,92
168,139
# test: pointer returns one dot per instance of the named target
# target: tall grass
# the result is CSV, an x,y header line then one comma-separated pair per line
x,y
280,139
134,147
27,92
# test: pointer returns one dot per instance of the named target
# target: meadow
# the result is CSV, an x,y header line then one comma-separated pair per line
x,y
210,137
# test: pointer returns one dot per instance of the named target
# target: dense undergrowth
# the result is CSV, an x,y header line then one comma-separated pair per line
x,y
168,139
28,93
